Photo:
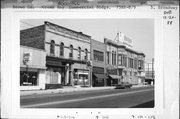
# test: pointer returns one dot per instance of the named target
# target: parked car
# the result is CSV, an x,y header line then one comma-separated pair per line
x,y
123,85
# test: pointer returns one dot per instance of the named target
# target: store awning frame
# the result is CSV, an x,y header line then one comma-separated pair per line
x,y
115,76
102,76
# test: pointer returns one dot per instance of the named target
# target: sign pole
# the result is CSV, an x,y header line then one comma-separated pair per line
x,y
27,73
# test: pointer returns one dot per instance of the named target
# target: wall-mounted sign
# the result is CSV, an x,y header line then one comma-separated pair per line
x,y
27,56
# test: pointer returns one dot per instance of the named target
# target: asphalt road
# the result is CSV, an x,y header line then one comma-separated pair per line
x,y
113,98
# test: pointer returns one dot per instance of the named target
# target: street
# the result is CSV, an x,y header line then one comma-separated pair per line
x,y
114,98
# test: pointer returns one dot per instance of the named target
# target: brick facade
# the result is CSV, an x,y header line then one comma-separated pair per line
x,y
33,37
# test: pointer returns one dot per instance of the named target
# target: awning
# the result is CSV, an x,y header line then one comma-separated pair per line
x,y
100,75
85,73
115,76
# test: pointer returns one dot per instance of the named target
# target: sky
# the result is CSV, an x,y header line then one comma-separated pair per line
x,y
141,31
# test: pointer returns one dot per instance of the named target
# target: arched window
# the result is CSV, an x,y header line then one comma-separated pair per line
x,y
62,49
71,51
79,53
52,47
86,54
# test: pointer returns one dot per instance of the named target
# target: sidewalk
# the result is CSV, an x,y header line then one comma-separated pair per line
x,y
70,89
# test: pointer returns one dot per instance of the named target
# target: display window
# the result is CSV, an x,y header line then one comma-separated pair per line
x,y
28,78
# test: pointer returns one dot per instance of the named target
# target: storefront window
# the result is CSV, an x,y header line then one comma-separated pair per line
x,y
28,79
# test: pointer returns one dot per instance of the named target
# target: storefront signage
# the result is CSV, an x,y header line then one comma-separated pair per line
x,y
123,39
27,56
128,42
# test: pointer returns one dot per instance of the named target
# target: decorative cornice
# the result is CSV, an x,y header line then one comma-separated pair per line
x,y
108,41
61,29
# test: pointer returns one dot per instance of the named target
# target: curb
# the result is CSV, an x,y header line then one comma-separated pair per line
x,y
63,91
55,91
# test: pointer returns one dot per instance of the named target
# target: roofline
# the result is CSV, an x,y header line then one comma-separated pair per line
x,y
32,27
118,45
45,22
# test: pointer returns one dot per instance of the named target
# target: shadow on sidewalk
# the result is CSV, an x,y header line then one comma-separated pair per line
x,y
149,104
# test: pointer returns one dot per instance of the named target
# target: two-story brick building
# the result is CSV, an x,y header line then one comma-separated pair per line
x,y
123,63
67,52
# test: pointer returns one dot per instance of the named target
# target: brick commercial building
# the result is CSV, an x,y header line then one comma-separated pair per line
x,y
98,53
123,63
68,56
67,52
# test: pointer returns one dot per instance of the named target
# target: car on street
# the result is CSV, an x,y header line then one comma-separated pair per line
x,y
123,85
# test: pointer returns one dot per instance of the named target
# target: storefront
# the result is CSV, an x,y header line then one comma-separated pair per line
x,y
81,77
58,72
115,79
99,77
32,68
81,74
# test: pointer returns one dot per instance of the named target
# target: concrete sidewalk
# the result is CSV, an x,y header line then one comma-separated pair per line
x,y
71,89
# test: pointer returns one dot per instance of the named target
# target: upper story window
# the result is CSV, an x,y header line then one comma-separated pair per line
x,y
131,63
98,56
112,57
86,54
135,63
71,51
52,47
115,58
120,60
79,53
140,64
108,58
62,49
125,60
